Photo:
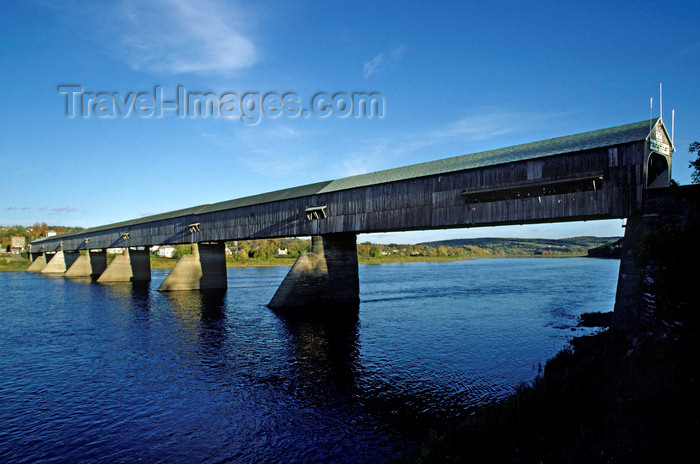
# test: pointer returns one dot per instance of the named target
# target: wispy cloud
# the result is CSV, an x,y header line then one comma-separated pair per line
x,y
63,209
277,152
57,210
372,65
382,60
492,123
379,153
486,124
185,36
370,158
272,149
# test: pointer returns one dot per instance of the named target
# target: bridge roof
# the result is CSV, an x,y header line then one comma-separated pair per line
x,y
617,135
560,145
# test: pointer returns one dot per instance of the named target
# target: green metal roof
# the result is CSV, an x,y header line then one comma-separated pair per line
x,y
570,143
578,142
130,222
559,145
277,195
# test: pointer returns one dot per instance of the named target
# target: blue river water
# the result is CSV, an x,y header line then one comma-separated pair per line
x,y
123,373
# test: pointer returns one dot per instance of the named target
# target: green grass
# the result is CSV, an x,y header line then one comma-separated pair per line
x,y
409,259
7,264
253,262
158,262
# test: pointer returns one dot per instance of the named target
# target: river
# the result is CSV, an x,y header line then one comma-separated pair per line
x,y
122,373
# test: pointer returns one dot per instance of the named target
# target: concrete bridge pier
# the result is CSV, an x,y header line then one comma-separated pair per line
x,y
91,264
39,262
204,269
628,297
325,276
666,212
60,262
132,266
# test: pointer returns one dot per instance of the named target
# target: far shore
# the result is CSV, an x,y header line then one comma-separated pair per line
x,y
168,263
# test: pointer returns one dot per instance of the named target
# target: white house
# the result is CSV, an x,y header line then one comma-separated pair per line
x,y
166,251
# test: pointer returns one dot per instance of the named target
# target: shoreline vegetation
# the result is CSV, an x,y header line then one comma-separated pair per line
x,y
284,252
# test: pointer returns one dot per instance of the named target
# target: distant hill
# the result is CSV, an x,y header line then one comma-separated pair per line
x,y
529,246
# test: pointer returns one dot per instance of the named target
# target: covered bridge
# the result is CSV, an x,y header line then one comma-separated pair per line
x,y
592,175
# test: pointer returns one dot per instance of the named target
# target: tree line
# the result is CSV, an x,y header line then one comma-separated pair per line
x,y
30,233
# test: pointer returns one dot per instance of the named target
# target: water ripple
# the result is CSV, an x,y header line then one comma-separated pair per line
x,y
123,373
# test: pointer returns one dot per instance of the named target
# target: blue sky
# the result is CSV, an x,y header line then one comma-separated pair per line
x,y
455,77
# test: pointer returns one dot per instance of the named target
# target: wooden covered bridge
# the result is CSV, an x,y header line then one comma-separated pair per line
x,y
600,174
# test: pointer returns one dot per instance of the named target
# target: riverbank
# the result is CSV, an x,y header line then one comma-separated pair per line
x,y
166,263
608,398
272,252
14,264
169,263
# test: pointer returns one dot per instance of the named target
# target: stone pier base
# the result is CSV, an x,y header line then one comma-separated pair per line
x,y
204,269
38,262
327,275
91,264
132,266
60,262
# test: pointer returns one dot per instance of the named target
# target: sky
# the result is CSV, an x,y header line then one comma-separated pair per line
x,y
92,131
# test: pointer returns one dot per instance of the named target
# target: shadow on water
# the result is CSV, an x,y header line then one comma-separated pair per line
x,y
325,343
129,297
81,279
200,305
202,314
138,290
